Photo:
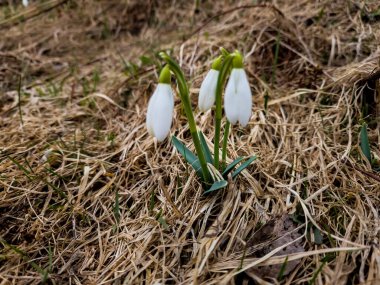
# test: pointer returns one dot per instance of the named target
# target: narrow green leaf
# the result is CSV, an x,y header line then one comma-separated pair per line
x,y
26,257
205,148
182,149
50,253
243,166
364,142
216,186
280,275
55,188
188,155
231,166
22,168
315,274
266,99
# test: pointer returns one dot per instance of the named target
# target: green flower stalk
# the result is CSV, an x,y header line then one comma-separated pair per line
x,y
185,98
218,104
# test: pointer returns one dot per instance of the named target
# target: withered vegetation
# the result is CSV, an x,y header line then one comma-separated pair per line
x,y
87,197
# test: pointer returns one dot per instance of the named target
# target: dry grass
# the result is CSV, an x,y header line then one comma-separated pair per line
x,y
87,197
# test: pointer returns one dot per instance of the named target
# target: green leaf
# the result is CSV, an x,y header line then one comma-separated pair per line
x,y
162,220
216,186
231,166
364,143
188,155
243,166
205,148
318,238
280,275
146,60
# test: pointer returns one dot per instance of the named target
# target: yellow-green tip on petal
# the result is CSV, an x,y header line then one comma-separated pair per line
x,y
237,62
165,76
217,63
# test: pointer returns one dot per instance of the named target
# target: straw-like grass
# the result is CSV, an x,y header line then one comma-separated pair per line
x,y
87,197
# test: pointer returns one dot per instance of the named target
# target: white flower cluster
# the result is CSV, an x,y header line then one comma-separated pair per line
x,y
237,100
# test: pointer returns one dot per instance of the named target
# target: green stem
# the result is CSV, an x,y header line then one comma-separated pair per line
x,y
225,139
218,104
185,98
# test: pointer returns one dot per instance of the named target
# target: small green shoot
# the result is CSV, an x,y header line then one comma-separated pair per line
x,y
111,138
325,260
364,142
95,80
280,275
161,220
266,99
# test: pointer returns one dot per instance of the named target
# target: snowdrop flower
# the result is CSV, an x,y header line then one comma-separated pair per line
x,y
160,107
25,3
207,91
238,96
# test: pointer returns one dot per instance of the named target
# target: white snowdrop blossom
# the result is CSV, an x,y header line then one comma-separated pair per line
x,y
238,98
25,3
160,111
206,97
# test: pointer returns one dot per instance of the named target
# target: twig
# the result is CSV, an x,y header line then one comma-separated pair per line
x,y
367,173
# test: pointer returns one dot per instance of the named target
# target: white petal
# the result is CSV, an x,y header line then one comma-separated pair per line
x,y
150,111
231,106
25,3
206,97
244,99
160,111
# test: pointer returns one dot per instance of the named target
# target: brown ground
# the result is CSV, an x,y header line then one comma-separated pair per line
x,y
87,197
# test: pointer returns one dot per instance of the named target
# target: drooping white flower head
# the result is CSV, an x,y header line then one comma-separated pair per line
x,y
238,96
160,108
207,91
25,3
